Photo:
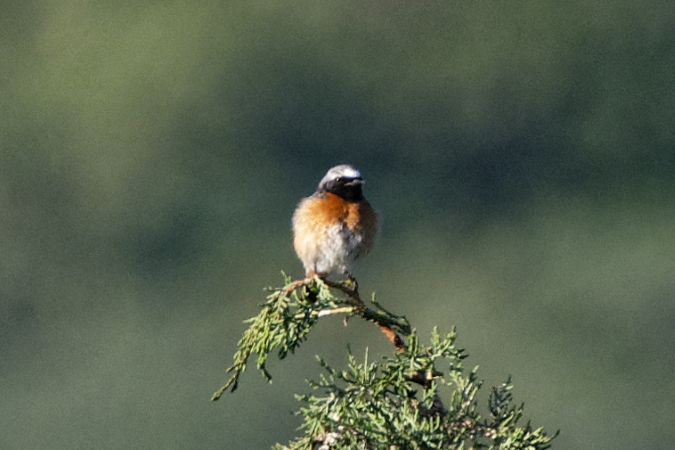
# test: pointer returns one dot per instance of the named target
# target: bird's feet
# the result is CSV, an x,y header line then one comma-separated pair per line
x,y
309,278
351,283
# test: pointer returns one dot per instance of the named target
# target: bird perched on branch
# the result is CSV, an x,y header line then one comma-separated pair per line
x,y
336,225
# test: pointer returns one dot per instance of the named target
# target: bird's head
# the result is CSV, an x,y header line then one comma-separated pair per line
x,y
344,181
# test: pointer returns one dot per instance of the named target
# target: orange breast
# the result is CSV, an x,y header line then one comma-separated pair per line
x,y
314,226
332,209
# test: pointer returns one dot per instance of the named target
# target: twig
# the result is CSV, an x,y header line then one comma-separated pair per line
x,y
360,308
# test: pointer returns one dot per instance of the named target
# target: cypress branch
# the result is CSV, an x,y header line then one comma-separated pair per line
x,y
374,405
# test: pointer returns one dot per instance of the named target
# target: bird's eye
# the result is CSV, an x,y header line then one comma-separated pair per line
x,y
339,180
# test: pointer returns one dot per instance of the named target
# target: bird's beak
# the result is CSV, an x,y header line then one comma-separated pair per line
x,y
356,182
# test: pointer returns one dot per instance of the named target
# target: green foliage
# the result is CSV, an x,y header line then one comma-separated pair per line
x,y
283,323
287,317
391,404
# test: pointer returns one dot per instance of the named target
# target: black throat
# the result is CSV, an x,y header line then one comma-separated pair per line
x,y
351,192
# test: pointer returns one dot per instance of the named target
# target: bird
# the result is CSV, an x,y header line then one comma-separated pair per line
x,y
334,226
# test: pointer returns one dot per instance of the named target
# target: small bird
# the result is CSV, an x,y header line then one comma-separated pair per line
x,y
336,225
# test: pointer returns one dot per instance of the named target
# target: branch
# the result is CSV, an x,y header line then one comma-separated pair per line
x,y
385,320
374,404
291,311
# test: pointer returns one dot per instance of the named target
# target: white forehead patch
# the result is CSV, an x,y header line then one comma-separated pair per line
x,y
351,172
345,171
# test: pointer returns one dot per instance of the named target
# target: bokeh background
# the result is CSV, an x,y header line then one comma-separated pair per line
x,y
521,154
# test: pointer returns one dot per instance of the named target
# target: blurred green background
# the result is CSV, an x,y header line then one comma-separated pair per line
x,y
521,154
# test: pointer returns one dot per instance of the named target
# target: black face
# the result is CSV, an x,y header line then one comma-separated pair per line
x,y
347,188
